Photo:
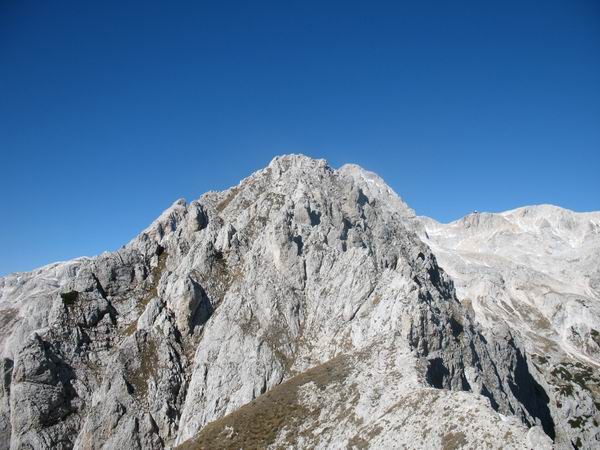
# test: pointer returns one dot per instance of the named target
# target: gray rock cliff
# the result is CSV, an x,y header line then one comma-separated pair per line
x,y
303,308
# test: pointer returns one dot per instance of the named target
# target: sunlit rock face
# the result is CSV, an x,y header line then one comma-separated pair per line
x,y
307,307
536,270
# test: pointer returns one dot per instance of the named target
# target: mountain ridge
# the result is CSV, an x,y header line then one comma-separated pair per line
x,y
221,300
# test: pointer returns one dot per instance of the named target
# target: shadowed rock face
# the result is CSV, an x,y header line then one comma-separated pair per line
x,y
301,298
535,269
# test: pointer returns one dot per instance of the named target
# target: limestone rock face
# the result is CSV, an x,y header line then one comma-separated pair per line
x,y
303,308
536,269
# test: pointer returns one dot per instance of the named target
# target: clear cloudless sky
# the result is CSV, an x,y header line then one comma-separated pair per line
x,y
111,110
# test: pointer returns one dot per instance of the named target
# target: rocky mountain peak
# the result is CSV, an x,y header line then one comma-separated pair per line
x,y
297,161
302,298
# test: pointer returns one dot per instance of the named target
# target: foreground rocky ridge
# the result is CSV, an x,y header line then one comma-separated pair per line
x,y
297,309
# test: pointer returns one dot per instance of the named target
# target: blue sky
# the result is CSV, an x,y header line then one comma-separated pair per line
x,y
110,111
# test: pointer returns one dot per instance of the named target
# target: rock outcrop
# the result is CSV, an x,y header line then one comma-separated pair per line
x,y
302,308
537,270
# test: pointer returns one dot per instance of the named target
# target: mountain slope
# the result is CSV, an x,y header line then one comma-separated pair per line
x,y
302,297
536,269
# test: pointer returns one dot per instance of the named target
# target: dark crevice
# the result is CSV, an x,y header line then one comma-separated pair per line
x,y
434,276
347,225
204,308
7,368
486,393
362,198
299,243
99,286
531,394
436,373
456,327
69,298
315,217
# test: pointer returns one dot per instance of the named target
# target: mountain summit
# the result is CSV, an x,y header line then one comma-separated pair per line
x,y
307,307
